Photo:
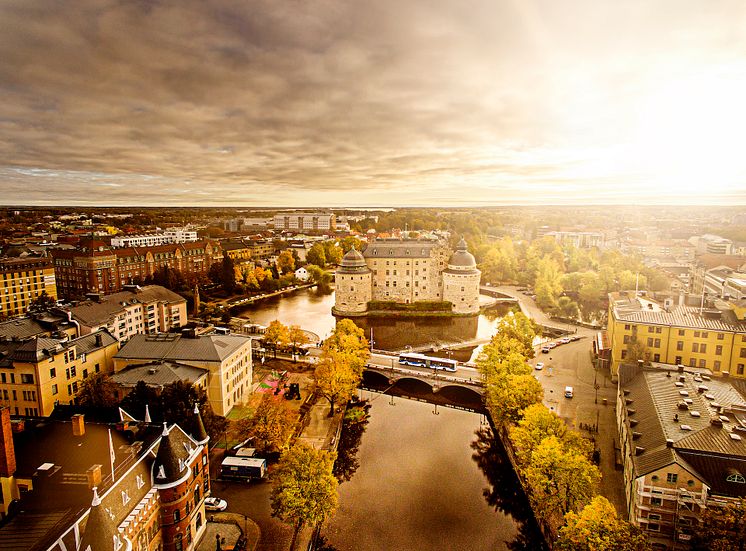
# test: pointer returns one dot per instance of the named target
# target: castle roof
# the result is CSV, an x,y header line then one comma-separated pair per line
x,y
171,466
462,258
353,262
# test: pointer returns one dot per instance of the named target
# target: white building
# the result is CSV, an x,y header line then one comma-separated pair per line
x,y
171,235
302,274
301,221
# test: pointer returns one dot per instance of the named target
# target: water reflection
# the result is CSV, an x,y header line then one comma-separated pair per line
x,y
355,421
505,493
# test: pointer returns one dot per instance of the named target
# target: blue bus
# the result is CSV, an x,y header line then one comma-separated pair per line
x,y
420,360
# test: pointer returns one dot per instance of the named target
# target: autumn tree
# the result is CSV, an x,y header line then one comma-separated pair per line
x,y
286,262
272,424
319,276
560,481
347,243
598,528
97,391
297,337
41,303
336,376
507,397
332,252
539,423
304,490
276,336
518,327
548,284
349,338
722,528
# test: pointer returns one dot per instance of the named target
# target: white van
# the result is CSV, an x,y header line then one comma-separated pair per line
x,y
568,392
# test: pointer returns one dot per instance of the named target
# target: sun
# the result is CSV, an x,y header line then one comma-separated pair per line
x,y
691,134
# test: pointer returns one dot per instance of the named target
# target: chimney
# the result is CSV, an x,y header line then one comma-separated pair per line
x,y
669,443
93,474
639,450
726,374
7,451
78,421
680,367
99,340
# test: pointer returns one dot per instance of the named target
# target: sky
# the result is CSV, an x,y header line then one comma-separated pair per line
x,y
372,103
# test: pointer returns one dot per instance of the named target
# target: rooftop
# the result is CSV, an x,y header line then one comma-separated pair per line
x,y
175,347
158,374
93,312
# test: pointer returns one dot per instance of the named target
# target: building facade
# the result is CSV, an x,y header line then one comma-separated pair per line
x,y
38,373
150,309
305,221
173,235
683,443
227,358
23,280
95,268
407,271
711,338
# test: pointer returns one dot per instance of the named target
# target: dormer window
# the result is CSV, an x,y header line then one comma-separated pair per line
x,y
125,497
736,477
140,482
161,472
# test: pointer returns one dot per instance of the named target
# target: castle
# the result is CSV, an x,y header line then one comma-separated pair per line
x,y
407,271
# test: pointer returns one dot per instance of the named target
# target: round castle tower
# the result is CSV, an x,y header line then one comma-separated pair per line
x,y
461,281
354,285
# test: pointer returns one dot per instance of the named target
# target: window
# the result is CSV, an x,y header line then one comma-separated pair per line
x,y
654,527
651,329
177,515
54,390
626,339
27,378
650,341
696,334
626,327
656,501
679,345
98,368
654,516
52,373
739,369
702,348
657,343
85,373
681,332
72,371
736,477
140,482
671,478
624,354
677,360
719,350
125,497
702,363
695,347
721,336
716,365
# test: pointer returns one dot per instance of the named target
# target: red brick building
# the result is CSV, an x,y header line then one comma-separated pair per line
x,y
96,268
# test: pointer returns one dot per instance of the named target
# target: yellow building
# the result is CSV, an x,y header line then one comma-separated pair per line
x,y
24,279
711,337
40,372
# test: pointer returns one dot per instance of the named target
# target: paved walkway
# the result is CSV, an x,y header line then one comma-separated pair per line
x,y
229,527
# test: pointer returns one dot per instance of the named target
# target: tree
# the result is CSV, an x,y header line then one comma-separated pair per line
x,y
548,283
97,391
228,274
272,424
509,396
568,307
560,481
304,490
316,255
41,303
598,528
276,335
319,276
347,243
539,423
636,350
286,262
349,338
336,376
297,337
332,253
519,327
722,528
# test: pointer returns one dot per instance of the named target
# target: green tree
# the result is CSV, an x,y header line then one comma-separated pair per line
x,y
598,528
97,391
316,255
636,351
320,277
286,262
548,284
332,253
722,528
568,308
560,481
276,336
349,242
591,289
304,490
272,424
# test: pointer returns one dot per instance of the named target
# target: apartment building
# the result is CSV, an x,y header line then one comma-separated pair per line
x,y
148,309
712,336
22,281
96,268
706,272
683,442
578,239
38,373
172,235
227,358
304,221
90,486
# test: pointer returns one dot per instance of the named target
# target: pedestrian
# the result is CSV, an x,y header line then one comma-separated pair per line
x,y
217,542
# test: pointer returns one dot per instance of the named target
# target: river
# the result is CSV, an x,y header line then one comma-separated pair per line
x,y
429,478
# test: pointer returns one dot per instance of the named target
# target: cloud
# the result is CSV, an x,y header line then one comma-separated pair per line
x,y
300,101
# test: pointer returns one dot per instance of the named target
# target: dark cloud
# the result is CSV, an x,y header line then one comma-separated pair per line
x,y
298,101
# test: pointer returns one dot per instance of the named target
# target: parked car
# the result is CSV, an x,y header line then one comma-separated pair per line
x,y
552,345
575,338
568,392
539,366
565,340
545,349
215,504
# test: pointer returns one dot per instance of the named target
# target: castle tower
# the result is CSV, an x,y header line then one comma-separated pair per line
x,y
461,281
354,285
100,533
179,474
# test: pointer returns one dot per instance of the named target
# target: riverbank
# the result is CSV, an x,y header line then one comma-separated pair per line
x,y
242,300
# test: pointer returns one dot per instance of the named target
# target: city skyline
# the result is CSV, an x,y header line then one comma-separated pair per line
x,y
387,104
